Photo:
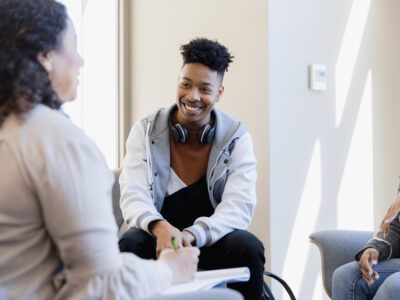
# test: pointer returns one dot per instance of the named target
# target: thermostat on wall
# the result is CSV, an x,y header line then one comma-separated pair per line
x,y
318,77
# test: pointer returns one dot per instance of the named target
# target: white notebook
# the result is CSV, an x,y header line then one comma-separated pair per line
x,y
205,280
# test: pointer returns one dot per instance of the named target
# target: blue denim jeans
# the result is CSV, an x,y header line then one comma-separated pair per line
x,y
348,283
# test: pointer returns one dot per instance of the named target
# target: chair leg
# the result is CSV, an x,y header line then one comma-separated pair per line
x,y
282,282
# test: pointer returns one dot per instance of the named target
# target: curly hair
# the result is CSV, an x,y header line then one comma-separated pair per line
x,y
27,28
207,52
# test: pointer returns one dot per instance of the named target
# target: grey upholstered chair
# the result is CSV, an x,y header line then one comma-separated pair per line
x,y
115,199
337,248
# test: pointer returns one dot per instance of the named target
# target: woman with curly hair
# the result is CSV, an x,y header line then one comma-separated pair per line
x,y
58,237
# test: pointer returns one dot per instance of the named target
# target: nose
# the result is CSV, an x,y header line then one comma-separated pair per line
x,y
194,95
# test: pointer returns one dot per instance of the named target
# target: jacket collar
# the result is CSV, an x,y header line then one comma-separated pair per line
x,y
226,128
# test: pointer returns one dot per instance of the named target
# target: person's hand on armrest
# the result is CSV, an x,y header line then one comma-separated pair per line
x,y
183,263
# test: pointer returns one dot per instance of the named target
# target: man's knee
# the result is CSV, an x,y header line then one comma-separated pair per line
x,y
348,273
244,243
139,242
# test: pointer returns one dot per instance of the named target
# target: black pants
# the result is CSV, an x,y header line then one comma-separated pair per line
x,y
236,249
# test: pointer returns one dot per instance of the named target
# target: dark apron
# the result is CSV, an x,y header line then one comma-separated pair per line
x,y
183,207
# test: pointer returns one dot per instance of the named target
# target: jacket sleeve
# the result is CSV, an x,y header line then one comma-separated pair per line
x,y
136,201
388,247
236,208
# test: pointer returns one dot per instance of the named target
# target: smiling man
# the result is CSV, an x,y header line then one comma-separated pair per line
x,y
190,173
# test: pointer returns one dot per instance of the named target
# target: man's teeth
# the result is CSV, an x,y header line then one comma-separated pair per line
x,y
192,108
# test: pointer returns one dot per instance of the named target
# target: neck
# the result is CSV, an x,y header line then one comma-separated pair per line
x,y
192,127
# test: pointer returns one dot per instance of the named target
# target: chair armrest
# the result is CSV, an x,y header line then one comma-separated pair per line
x,y
115,199
337,248
213,294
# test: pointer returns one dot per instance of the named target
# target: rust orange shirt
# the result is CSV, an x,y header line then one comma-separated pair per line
x,y
189,160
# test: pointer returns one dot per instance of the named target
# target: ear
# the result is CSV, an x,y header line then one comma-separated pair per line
x,y
46,60
220,92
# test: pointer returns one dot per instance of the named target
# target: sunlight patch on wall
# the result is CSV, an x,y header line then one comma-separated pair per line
x,y
96,108
348,53
355,197
306,218
319,291
100,76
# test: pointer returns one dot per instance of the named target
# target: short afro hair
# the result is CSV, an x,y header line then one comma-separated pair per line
x,y
207,52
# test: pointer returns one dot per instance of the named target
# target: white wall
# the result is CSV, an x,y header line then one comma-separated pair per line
x,y
334,155
159,27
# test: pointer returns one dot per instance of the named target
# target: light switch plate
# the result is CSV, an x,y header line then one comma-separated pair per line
x,y
318,77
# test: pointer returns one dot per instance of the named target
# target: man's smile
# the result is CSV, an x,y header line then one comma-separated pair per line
x,y
191,107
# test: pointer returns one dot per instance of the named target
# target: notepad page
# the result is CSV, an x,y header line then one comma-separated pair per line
x,y
205,280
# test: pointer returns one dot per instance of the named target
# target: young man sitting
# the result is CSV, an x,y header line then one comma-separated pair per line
x,y
190,173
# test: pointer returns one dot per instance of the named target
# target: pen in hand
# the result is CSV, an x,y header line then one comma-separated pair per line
x,y
174,243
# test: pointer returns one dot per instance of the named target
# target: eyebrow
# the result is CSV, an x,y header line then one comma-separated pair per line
x,y
203,83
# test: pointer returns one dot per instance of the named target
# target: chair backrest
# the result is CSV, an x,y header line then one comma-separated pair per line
x,y
115,199
337,248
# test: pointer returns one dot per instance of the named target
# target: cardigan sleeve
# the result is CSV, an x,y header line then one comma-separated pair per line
x,y
388,247
73,186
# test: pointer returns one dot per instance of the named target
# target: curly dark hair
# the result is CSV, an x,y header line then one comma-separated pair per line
x,y
27,28
207,52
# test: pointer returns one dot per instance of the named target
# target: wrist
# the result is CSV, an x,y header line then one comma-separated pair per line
x,y
191,237
168,269
372,249
156,226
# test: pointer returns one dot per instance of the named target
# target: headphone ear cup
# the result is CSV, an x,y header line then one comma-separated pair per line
x,y
175,134
203,133
181,133
206,134
210,135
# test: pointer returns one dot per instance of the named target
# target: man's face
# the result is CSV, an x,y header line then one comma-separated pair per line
x,y
199,88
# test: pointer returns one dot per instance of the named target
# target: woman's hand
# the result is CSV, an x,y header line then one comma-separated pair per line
x,y
367,260
183,263
393,211
164,231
